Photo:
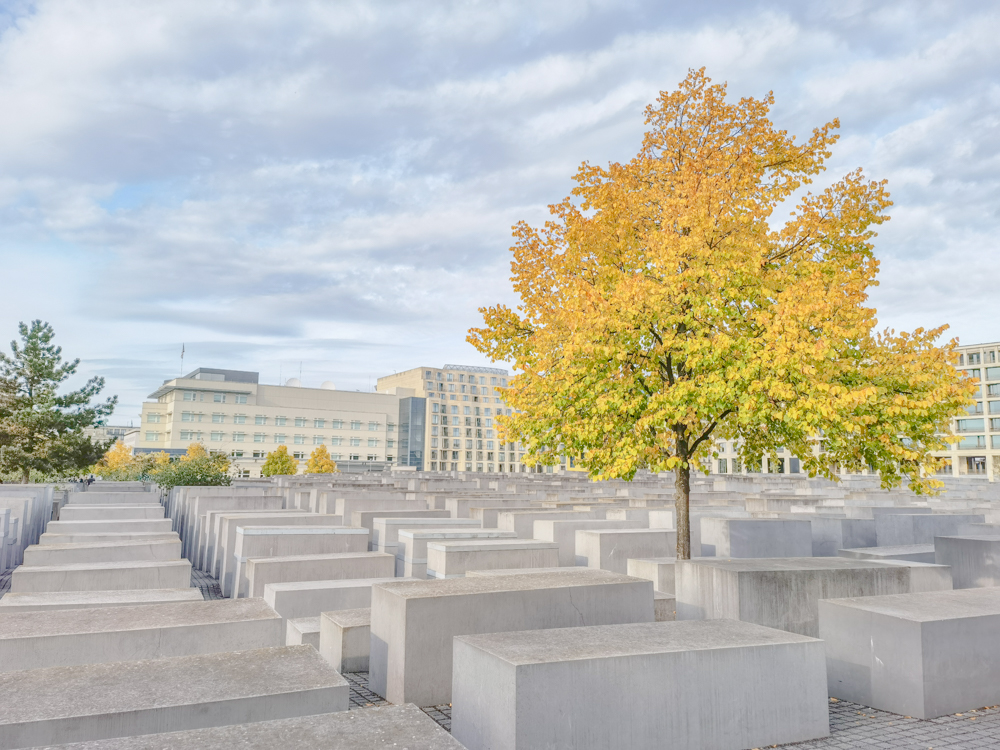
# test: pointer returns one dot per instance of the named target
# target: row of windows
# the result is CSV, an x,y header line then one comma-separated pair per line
x,y
466,410
462,378
974,358
502,468
456,443
260,419
218,398
972,442
300,455
977,408
452,388
992,373
455,455
977,425
466,397
261,437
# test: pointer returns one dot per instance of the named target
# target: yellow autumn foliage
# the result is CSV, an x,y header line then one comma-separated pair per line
x,y
320,462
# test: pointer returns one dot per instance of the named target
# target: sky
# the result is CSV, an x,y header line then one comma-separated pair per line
x,y
329,187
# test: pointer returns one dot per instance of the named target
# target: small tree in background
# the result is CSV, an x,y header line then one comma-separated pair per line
x,y
667,305
121,465
196,468
320,462
40,429
279,463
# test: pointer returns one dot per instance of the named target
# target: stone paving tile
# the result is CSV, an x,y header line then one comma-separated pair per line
x,y
361,696
208,586
4,582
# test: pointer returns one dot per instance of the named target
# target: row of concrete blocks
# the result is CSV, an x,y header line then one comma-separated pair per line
x,y
24,512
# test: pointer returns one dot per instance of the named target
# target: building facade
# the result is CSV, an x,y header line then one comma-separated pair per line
x,y
231,412
977,452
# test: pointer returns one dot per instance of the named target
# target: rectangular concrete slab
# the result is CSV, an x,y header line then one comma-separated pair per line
x,y
755,537
974,560
383,728
610,549
345,639
413,623
411,545
922,655
563,533
121,526
659,570
152,574
68,554
453,559
913,552
265,570
60,638
138,536
366,518
109,512
564,689
894,529
783,592
100,701
303,631
12,602
310,598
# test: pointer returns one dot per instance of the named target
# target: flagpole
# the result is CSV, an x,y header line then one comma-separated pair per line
x,y
182,360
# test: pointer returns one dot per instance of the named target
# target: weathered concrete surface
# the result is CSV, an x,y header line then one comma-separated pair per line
x,y
659,570
385,536
99,701
69,554
722,685
62,638
366,518
384,728
755,537
151,574
895,529
413,623
109,512
912,552
453,559
262,571
138,536
923,655
563,533
610,549
303,631
49,600
122,526
345,639
974,560
783,592
411,546
311,598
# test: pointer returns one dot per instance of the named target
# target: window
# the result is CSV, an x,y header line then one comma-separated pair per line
x,y
434,430
961,359
372,457
240,399
299,455
993,373
236,454
995,425
976,408
187,416
259,454
466,410
427,374
336,440
259,437
354,456
475,390
355,424
188,435
391,426
217,437
482,381
153,418
493,381
337,424
152,437
218,418
970,425
318,440
279,438
300,421
239,437
319,424
454,410
373,442
968,443
260,419
299,439
239,419
487,412
219,398
372,426
974,358
994,407
993,390
390,443
280,421
190,396
995,441
355,441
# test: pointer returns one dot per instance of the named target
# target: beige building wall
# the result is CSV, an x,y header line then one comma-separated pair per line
x,y
230,412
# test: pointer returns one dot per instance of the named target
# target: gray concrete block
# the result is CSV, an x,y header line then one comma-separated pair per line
x,y
303,631
110,512
138,536
105,576
659,570
783,592
923,655
112,498
69,554
345,639
522,522
453,559
664,607
413,623
563,533
366,518
100,701
384,728
974,560
411,546
895,529
722,685
311,598
912,552
50,600
265,570
385,537
121,526
755,537
610,549
60,638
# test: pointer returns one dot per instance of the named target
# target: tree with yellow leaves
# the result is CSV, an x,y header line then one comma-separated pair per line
x,y
666,305
279,463
119,458
320,462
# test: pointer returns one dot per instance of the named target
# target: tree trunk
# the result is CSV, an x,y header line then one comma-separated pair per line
x,y
682,505
26,476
